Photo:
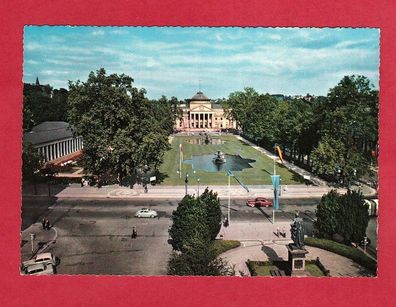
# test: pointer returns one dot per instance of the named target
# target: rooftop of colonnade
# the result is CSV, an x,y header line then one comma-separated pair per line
x,y
48,131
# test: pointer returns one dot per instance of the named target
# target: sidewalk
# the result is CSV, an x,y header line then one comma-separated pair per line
x,y
302,172
178,192
43,239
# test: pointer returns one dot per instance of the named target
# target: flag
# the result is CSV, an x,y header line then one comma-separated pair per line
x,y
278,149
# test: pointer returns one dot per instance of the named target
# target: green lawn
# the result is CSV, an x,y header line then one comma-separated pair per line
x,y
264,268
313,270
258,175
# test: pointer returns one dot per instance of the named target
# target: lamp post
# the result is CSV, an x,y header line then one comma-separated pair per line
x,y
229,174
198,185
186,181
145,170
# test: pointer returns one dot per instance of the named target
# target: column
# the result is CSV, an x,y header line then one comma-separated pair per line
x,y
58,150
51,152
199,120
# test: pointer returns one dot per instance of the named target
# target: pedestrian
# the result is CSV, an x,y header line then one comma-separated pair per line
x,y
134,232
43,223
283,232
47,224
277,231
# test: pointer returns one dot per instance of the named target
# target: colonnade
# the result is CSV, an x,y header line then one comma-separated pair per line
x,y
201,120
57,149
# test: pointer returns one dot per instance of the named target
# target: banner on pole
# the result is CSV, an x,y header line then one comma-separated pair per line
x,y
276,182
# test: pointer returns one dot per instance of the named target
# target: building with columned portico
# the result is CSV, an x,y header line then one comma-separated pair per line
x,y
54,140
201,114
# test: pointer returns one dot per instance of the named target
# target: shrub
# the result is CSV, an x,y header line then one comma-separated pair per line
x,y
221,246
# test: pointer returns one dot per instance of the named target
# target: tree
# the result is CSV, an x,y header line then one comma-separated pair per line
x,y
353,217
350,115
196,216
198,259
211,204
189,221
327,215
167,111
120,129
42,103
346,215
32,163
328,157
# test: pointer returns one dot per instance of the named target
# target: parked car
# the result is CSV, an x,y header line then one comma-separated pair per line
x,y
145,212
259,202
46,258
39,269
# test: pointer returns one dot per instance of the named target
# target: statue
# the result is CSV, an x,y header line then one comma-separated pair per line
x,y
297,231
207,141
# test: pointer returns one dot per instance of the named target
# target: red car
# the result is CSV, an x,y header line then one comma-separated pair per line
x,y
259,202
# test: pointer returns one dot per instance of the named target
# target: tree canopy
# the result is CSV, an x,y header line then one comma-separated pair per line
x,y
119,125
196,223
43,103
345,215
332,135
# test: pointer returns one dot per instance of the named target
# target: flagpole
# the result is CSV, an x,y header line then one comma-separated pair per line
x,y
273,209
274,158
180,158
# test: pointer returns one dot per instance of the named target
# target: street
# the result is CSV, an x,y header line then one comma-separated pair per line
x,y
94,236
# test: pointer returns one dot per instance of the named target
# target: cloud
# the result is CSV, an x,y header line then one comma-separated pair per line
x,y
98,32
276,37
32,46
169,60
119,31
32,62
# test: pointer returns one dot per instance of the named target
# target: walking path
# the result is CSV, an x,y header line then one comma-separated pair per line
x,y
302,172
257,251
260,242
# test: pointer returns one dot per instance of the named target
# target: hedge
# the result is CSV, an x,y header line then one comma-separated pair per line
x,y
221,246
347,251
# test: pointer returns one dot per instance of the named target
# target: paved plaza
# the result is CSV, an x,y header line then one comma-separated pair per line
x,y
338,266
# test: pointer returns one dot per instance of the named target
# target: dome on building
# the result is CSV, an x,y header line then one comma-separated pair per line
x,y
199,97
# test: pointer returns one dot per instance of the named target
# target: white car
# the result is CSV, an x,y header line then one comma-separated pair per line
x,y
46,258
39,269
145,212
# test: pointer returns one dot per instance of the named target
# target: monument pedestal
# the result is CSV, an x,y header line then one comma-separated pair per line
x,y
296,259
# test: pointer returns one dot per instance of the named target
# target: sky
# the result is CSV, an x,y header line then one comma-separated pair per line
x,y
179,61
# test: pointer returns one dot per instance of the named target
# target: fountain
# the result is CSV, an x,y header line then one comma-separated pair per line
x,y
220,158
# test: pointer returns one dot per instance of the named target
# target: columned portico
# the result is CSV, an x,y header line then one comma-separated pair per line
x,y
201,114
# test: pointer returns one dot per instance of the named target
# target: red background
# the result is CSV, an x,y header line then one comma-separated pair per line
x,y
167,291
